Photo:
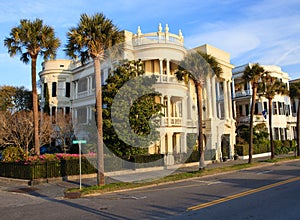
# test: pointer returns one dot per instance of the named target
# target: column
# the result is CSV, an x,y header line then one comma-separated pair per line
x,y
168,69
87,114
91,84
161,69
229,100
76,90
162,143
169,110
183,142
170,144
88,85
218,103
233,101
209,97
184,114
162,123
214,99
225,99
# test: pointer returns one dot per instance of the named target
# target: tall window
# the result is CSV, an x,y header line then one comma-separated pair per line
x,y
93,82
240,110
67,110
68,89
276,134
275,110
294,107
247,109
165,109
82,85
256,108
266,105
82,115
281,108
287,110
283,134
54,88
45,87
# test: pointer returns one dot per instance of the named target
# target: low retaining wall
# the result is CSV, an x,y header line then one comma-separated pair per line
x,y
256,155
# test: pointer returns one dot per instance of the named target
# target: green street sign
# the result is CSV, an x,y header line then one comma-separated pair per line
x,y
79,141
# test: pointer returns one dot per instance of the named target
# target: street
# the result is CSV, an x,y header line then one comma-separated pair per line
x,y
268,192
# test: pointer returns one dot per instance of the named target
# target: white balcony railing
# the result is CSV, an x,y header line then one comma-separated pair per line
x,y
174,121
169,79
155,37
242,93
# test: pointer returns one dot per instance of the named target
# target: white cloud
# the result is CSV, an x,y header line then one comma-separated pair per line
x,y
257,39
233,40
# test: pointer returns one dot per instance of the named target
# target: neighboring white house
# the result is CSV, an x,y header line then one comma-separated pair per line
x,y
282,119
71,88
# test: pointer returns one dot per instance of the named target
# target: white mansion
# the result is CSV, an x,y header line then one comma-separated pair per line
x,y
71,89
283,120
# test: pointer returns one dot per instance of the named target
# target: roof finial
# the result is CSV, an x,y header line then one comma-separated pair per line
x,y
167,28
159,27
139,32
180,33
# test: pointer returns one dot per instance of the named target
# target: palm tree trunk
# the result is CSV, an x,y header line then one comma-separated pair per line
x,y
271,130
298,128
35,107
100,156
254,91
200,133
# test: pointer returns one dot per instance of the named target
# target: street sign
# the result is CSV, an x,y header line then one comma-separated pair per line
x,y
264,113
79,142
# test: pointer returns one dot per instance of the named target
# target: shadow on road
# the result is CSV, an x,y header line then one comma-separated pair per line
x,y
100,213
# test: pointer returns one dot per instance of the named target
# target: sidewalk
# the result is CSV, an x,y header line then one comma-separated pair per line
x,y
56,188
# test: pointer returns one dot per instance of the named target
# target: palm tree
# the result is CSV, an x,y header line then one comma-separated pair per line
x,y
295,93
252,74
92,36
196,66
30,39
269,87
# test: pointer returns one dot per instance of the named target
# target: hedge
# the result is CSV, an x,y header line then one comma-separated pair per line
x,y
281,147
284,147
46,169
143,161
69,167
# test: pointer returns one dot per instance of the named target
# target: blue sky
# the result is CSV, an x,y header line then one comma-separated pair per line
x,y
264,31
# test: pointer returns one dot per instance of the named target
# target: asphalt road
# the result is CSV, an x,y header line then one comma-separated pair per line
x,y
269,192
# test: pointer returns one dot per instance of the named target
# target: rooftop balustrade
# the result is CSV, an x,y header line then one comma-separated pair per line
x,y
159,37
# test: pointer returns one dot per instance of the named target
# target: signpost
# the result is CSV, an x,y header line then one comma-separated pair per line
x,y
79,142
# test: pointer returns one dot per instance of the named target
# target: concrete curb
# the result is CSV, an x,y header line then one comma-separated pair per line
x,y
12,180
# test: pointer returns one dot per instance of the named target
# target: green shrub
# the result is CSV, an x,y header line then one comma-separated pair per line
x,y
13,154
284,146
263,146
